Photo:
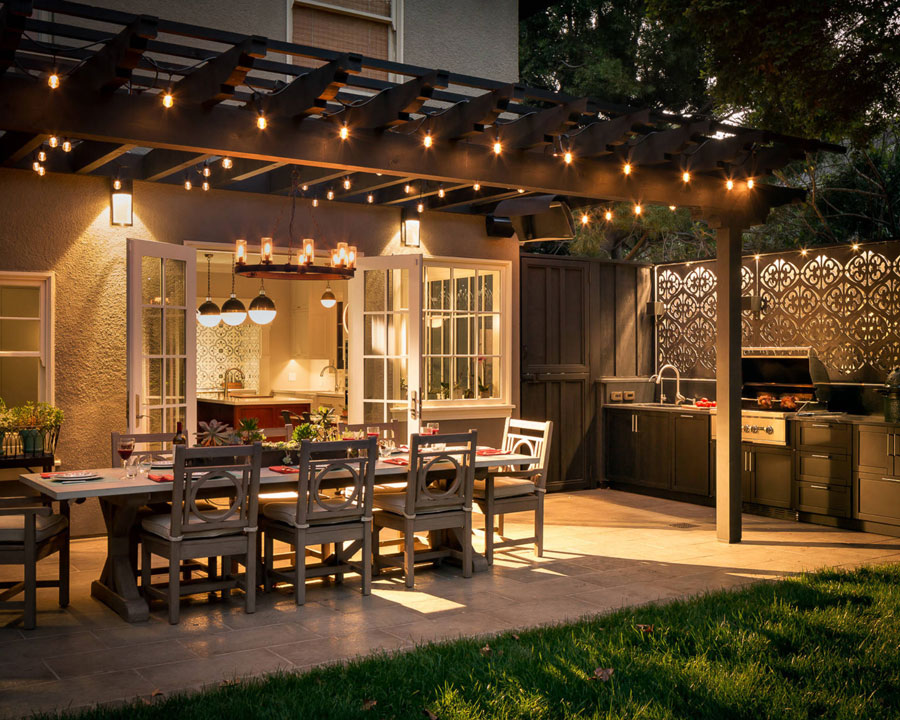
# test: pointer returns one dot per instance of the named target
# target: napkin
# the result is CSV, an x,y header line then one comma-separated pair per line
x,y
169,477
488,451
47,476
284,469
396,461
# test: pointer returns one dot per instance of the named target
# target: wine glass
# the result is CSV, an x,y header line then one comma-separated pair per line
x,y
433,428
373,431
387,443
125,448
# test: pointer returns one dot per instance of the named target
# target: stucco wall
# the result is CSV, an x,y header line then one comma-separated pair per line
x,y
61,223
476,37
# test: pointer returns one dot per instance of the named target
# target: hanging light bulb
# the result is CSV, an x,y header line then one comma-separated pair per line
x,y
42,171
608,215
266,250
520,191
441,192
420,207
626,168
188,184
67,145
567,157
42,156
262,309
638,209
330,194
585,219
427,141
240,252
227,163
750,184
685,177
206,171
53,80
315,202
476,187
672,208
328,299
167,99
498,147
117,184
261,121
729,184
205,185
347,183
233,310
208,314
35,165
304,188
53,141
407,188
370,198
344,132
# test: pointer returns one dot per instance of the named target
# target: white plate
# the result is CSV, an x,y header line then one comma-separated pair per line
x,y
75,475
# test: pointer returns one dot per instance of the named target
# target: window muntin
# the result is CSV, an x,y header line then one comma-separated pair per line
x,y
26,352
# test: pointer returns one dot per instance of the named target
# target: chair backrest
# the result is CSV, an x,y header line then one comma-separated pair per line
x,y
361,427
441,479
194,467
282,432
530,437
336,481
139,439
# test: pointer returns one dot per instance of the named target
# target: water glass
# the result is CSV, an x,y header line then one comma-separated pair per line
x,y
387,445
373,431
131,466
145,464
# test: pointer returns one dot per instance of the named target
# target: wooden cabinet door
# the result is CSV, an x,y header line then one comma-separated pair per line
x,y
877,498
873,446
621,450
653,449
772,470
690,443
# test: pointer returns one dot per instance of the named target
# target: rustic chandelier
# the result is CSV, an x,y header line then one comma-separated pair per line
x,y
299,266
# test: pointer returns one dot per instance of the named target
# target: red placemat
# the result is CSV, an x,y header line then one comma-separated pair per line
x,y
161,478
396,461
284,469
488,451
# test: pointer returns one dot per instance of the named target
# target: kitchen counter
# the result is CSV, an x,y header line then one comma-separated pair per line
x,y
238,401
851,419
656,406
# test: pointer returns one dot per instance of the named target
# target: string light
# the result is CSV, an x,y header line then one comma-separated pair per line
x,y
187,184
53,141
315,202
205,185
608,215
330,194
729,184
53,81
304,188
420,207
585,219
370,198
498,147
567,157
428,141
750,184
685,176
206,171
167,99
626,168
638,209
42,156
672,208
261,122
855,246
344,132
347,183
757,256
227,163
42,171
803,252
67,145
117,184
520,191
476,187
35,165
441,192
407,188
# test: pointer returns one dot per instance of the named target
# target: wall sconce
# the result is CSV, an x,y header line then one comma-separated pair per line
x,y
121,202
409,228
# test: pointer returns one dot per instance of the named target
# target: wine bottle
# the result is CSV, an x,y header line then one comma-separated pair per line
x,y
179,438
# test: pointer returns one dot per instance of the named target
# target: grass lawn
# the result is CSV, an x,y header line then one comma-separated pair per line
x,y
823,645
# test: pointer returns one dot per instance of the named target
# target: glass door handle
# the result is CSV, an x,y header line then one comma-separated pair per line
x,y
137,407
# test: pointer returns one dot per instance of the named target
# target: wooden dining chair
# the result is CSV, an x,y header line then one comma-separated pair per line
x,y
333,507
437,498
506,490
190,531
29,532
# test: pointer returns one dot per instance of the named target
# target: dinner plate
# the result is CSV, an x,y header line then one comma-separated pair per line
x,y
75,475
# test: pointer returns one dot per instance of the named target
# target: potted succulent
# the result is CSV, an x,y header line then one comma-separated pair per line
x,y
249,431
215,434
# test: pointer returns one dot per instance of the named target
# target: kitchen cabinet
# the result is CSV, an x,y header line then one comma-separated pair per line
x,y
822,436
767,471
232,412
823,467
690,447
621,445
877,498
653,432
876,473
877,449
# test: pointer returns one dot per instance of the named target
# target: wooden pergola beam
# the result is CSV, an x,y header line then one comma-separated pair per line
x,y
162,162
604,136
659,147
392,106
88,156
282,179
217,79
16,145
398,197
310,93
12,25
469,117
715,154
541,127
372,184
111,66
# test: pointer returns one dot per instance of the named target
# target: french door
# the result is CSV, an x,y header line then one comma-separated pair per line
x,y
161,337
385,298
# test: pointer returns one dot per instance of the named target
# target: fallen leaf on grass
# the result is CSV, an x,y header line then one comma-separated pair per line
x,y
515,637
369,704
156,693
603,674
430,715
645,628
486,650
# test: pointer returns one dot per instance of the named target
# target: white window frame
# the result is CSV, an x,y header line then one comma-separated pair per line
x,y
480,407
46,284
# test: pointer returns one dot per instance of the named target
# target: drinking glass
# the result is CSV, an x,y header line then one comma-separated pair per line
x,y
145,464
125,448
387,444
131,466
373,431
433,428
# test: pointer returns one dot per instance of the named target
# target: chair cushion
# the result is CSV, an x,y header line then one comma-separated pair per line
x,y
162,525
286,512
12,527
505,487
395,502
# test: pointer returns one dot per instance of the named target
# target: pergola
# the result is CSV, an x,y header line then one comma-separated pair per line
x,y
299,120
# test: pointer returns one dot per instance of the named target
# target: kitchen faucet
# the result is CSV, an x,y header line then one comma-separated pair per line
x,y
234,374
333,369
658,378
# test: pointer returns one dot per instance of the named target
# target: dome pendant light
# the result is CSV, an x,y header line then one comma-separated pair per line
x,y
262,309
233,310
208,314
328,299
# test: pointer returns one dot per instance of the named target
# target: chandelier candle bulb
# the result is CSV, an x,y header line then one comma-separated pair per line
x,y
265,249
309,253
240,252
351,256
342,253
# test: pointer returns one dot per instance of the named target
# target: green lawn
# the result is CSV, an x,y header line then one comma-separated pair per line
x,y
824,645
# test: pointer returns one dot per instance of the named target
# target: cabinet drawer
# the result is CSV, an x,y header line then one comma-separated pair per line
x,y
812,435
823,467
822,498
878,498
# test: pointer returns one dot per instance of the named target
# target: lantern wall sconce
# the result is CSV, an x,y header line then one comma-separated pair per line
x,y
410,228
121,202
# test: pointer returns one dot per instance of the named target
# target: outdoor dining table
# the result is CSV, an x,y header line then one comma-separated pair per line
x,y
121,498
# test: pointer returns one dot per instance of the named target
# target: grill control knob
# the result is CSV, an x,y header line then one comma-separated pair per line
x,y
754,429
769,430
746,428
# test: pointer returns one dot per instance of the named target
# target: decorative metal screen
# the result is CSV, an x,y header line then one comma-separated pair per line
x,y
844,303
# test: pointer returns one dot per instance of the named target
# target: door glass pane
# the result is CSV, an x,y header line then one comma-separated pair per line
x,y
152,331
399,290
20,379
464,286
397,379
153,381
374,335
464,378
20,302
489,291
375,289
438,378
374,412
176,369
174,275
151,281
175,332
488,334
373,382
488,377
20,335
437,288
155,420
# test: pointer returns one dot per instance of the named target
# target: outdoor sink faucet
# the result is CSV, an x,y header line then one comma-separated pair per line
x,y
658,378
333,369
233,374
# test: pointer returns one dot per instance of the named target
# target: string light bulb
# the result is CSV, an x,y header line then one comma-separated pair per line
x,y
35,166
187,184
750,184
206,171
428,141
407,188
41,171
117,184
53,80
261,122
227,163
804,252
42,156
638,209
167,99
205,185
476,187
330,194
855,246
685,177
672,208
520,190
608,215
53,141
626,168
370,198
498,147
347,183
729,184
585,219
420,207
441,192
67,145
304,188
315,202
344,132
567,157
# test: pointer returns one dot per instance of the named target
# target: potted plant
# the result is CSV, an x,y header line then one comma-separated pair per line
x,y
215,434
38,426
249,431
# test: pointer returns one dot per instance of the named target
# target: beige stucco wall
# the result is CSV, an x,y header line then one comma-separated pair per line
x,y
61,223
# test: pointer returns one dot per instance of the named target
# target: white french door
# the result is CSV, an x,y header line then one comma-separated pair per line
x,y
161,337
385,298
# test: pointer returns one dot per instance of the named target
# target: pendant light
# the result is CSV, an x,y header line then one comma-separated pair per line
x,y
233,310
328,299
262,309
208,314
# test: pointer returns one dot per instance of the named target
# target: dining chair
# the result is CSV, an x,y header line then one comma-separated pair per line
x,y
190,530
437,499
392,425
505,490
333,506
29,532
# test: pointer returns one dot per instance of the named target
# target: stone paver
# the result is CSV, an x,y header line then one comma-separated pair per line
x,y
605,550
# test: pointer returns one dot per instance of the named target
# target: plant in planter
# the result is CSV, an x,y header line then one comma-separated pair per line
x,y
215,434
38,425
249,431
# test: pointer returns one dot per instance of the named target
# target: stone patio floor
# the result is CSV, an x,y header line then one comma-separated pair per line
x,y
604,550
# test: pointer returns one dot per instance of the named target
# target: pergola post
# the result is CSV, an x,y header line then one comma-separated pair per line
x,y
728,381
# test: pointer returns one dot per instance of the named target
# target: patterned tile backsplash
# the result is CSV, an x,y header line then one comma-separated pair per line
x,y
227,346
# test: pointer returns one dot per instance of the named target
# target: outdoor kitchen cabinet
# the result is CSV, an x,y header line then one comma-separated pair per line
x,y
876,476
637,447
823,467
877,449
621,445
766,473
690,451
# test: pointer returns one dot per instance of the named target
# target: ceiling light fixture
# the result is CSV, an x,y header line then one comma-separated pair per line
x,y
262,309
208,314
233,310
328,298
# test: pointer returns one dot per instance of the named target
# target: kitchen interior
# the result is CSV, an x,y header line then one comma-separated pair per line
x,y
263,366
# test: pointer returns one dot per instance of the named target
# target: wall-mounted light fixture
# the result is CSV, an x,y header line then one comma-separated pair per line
x,y
409,228
121,201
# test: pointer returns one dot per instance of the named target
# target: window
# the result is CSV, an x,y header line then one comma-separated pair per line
x,y
26,337
465,350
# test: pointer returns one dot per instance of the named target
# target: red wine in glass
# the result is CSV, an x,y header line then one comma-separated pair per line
x,y
125,452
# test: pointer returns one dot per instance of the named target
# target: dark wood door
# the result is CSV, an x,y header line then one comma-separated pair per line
x,y
555,364
690,449
653,449
772,469
621,449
